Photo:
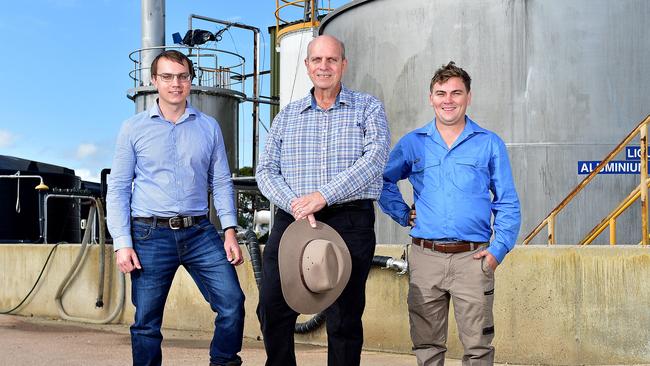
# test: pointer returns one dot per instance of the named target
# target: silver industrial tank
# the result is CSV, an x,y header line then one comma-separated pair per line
x,y
560,81
220,103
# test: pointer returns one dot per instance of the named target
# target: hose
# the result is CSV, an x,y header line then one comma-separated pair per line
x,y
76,266
253,246
384,262
35,283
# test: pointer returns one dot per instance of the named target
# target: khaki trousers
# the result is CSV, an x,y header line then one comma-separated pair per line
x,y
435,278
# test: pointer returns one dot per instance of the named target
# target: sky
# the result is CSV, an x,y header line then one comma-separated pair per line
x,y
65,73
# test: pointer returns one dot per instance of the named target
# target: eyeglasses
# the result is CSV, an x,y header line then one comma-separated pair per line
x,y
184,77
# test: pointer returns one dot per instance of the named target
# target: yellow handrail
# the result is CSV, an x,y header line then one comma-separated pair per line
x,y
314,12
642,191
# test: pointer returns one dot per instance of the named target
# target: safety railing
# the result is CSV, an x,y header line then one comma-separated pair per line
x,y
641,191
213,67
308,18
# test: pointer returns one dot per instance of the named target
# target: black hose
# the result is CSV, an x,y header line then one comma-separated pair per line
x,y
312,324
380,261
318,319
256,258
35,283
253,247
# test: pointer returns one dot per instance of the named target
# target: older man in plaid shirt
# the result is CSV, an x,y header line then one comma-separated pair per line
x,y
323,160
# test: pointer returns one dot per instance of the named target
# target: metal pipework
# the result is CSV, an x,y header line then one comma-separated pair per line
x,y
41,188
70,196
399,265
256,72
153,33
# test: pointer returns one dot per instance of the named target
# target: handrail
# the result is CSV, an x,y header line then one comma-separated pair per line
x,y
207,74
310,20
641,130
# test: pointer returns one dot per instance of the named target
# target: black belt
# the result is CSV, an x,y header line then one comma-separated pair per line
x,y
447,246
174,223
362,204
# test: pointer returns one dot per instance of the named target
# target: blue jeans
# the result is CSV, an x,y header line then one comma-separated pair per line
x,y
199,249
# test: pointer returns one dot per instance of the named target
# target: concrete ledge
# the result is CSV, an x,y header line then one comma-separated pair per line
x,y
554,305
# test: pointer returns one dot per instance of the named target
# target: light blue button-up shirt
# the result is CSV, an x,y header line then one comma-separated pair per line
x,y
339,152
457,189
165,169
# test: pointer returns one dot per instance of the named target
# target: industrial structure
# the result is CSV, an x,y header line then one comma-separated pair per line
x,y
563,83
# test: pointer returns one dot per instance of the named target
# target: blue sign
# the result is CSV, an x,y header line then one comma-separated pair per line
x,y
632,153
613,167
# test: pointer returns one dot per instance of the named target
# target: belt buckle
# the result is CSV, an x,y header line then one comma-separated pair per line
x,y
175,222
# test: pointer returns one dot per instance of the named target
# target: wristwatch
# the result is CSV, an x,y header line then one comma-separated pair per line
x,y
229,227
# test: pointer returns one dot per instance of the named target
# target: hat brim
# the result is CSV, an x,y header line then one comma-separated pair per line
x,y
292,244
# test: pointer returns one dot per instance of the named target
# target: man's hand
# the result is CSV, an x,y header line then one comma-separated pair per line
x,y
306,206
233,251
489,258
127,260
412,216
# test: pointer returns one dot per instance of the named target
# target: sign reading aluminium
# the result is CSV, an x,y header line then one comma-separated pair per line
x,y
631,164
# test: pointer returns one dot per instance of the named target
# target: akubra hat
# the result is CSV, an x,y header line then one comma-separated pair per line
x,y
314,264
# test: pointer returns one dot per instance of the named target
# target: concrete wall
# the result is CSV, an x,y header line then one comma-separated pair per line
x,y
554,305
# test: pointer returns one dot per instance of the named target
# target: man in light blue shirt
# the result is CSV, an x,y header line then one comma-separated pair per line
x,y
166,159
461,176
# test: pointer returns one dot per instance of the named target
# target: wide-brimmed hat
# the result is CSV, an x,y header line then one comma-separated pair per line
x,y
315,266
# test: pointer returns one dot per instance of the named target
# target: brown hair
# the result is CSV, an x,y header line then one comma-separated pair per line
x,y
447,72
175,56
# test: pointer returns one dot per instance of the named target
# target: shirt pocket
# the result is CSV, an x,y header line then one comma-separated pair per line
x,y
347,141
470,175
426,173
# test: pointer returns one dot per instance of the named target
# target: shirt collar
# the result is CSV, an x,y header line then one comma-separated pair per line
x,y
343,98
154,111
470,128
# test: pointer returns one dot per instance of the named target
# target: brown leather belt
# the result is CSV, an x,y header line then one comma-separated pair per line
x,y
174,223
447,246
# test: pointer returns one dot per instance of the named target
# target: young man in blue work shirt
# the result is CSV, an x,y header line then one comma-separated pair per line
x,y
165,160
461,175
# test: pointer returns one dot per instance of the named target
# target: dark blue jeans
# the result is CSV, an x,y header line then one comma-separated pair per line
x,y
200,250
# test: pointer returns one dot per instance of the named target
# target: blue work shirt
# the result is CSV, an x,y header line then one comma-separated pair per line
x,y
457,189
163,169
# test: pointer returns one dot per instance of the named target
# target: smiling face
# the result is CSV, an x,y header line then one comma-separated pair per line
x,y
450,100
325,63
171,93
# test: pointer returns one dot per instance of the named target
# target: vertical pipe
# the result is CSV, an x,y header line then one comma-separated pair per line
x,y
551,228
41,216
612,231
256,95
153,35
643,187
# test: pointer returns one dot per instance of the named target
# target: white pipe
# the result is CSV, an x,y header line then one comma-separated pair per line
x,y
153,35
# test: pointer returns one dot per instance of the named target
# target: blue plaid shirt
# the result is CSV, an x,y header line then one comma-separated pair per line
x,y
339,152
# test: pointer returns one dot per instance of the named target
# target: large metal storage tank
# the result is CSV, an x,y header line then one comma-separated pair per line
x,y
220,103
559,81
294,83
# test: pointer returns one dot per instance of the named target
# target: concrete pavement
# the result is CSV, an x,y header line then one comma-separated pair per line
x,y
27,341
